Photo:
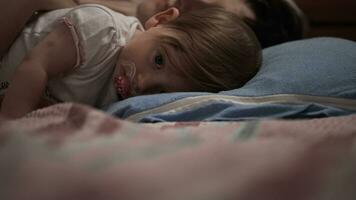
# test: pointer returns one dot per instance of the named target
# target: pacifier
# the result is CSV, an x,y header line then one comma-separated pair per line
x,y
124,81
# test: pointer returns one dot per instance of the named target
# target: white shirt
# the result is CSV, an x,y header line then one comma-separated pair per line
x,y
99,34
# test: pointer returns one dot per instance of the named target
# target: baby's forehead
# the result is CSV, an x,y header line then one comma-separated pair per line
x,y
174,38
175,57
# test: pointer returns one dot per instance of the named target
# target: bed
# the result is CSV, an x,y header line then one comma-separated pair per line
x,y
289,133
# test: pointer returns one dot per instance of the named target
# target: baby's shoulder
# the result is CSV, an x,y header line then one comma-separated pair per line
x,y
100,16
92,12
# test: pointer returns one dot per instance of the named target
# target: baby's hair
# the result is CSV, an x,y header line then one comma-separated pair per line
x,y
218,50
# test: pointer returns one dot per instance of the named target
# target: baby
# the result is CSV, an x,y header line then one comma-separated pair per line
x,y
90,54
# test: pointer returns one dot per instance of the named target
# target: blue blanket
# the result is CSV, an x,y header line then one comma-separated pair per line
x,y
301,79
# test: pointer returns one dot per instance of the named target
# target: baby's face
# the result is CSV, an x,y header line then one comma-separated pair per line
x,y
146,66
148,8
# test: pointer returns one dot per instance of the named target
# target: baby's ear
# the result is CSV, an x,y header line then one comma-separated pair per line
x,y
162,17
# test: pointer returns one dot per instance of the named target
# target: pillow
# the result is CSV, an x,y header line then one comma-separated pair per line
x,y
301,79
320,66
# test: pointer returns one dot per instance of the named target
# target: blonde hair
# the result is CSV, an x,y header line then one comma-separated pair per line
x,y
219,50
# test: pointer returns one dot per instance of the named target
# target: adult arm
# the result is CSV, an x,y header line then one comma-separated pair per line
x,y
19,12
53,56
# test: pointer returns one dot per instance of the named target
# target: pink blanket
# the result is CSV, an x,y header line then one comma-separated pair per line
x,y
70,151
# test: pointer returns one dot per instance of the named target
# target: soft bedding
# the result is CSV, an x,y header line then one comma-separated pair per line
x,y
301,79
70,151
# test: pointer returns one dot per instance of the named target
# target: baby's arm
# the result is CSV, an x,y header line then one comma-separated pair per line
x,y
53,56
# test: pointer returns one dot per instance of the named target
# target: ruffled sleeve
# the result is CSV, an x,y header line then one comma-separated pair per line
x,y
94,34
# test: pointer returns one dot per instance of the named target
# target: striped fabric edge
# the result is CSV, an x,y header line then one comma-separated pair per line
x,y
200,101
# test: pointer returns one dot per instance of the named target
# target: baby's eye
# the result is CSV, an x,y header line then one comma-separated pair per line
x,y
159,60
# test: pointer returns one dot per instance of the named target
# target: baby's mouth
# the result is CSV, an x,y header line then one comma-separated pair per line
x,y
124,79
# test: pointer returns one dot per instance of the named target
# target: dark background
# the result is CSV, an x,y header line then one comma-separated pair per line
x,y
330,17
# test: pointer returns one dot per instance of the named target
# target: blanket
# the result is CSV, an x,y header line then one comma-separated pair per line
x,y
70,151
